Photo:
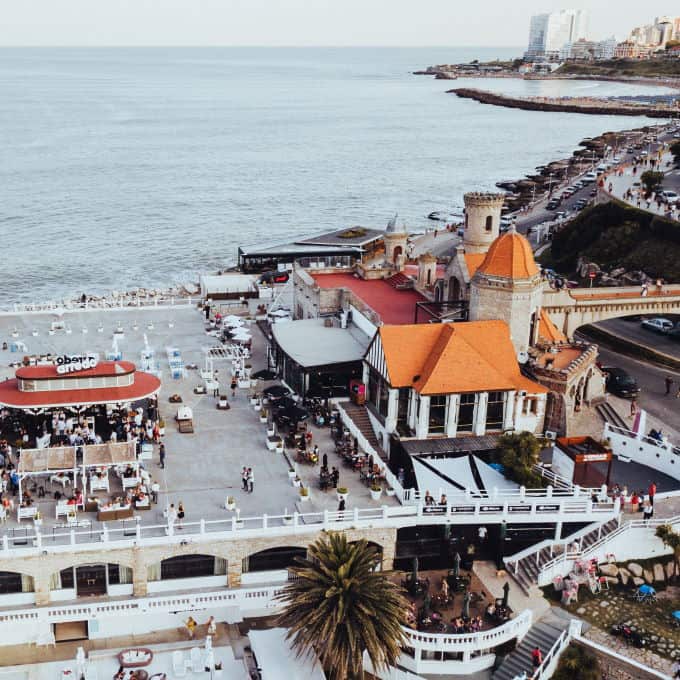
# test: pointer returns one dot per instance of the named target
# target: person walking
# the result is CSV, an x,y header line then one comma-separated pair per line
x,y
212,626
341,505
668,381
651,492
171,515
633,408
190,623
244,478
251,480
536,657
180,515
648,511
161,453
233,387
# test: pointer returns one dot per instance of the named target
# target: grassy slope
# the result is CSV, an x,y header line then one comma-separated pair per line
x,y
624,67
615,235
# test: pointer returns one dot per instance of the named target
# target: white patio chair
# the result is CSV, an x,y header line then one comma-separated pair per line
x,y
197,660
178,668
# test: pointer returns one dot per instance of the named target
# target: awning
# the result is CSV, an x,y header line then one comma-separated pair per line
x,y
37,461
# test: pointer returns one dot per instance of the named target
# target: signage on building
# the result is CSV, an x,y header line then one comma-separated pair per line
x,y
76,362
593,457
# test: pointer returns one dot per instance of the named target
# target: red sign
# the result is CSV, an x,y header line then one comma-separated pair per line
x,y
592,275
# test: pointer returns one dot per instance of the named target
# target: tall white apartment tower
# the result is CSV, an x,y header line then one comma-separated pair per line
x,y
549,33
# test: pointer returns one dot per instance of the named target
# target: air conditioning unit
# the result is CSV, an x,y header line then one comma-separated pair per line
x,y
552,436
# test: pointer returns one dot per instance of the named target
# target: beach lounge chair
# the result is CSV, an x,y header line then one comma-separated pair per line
x,y
196,660
178,668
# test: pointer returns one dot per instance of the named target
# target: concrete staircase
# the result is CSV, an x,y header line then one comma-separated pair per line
x,y
400,281
528,568
543,634
359,416
610,415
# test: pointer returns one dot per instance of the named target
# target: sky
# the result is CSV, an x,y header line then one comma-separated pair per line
x,y
299,22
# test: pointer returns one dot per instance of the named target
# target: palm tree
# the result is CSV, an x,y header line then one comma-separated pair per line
x,y
577,663
339,606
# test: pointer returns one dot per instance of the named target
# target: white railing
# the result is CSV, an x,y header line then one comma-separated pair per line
x,y
562,565
470,642
658,455
367,447
551,544
458,510
244,598
127,302
549,663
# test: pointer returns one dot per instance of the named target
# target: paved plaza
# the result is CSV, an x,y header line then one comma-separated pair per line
x,y
204,468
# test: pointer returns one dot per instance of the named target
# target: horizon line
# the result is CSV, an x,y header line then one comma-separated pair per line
x,y
255,46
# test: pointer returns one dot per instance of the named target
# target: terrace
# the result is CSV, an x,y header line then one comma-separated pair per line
x,y
202,469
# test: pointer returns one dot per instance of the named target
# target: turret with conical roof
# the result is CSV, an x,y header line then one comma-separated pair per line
x,y
508,286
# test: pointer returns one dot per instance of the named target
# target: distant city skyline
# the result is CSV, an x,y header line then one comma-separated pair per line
x,y
297,22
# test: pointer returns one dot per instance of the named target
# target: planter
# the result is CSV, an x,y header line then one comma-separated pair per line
x,y
291,474
271,431
231,506
273,443
390,491
287,521
244,384
263,420
253,400
375,495
305,498
257,405
343,496
297,483
217,673
161,431
279,449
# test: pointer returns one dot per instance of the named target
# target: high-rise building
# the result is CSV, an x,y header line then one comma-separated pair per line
x,y
550,32
656,34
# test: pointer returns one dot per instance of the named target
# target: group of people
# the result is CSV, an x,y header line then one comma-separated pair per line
x,y
247,479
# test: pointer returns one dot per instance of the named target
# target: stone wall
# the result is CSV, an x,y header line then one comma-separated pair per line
x,y
41,567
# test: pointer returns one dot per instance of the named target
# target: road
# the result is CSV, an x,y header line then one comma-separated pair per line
x,y
632,330
650,379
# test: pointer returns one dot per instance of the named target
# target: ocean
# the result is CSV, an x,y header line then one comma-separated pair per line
x,y
122,168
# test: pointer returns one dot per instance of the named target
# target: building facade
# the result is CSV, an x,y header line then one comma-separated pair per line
x,y
550,32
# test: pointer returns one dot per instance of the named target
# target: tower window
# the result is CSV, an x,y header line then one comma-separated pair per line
x,y
489,223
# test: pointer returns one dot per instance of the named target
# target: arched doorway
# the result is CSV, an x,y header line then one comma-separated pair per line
x,y
437,294
454,289
273,559
396,253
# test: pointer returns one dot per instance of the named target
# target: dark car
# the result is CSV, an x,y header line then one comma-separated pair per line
x,y
620,383
274,277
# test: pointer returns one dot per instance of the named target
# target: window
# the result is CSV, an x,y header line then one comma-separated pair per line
x,y
377,392
489,223
273,559
494,411
437,414
187,566
530,405
466,412
10,582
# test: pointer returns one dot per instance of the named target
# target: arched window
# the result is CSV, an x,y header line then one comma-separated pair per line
x,y
273,559
489,223
188,566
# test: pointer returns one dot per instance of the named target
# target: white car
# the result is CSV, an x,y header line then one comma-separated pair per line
x,y
670,197
657,324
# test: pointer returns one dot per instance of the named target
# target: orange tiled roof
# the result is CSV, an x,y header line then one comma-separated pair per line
x,y
475,356
510,256
473,260
548,331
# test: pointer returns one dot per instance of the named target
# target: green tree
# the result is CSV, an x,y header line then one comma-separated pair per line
x,y
339,606
675,150
651,180
576,663
671,539
519,454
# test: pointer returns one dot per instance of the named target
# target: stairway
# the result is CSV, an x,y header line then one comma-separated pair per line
x,y
529,567
610,415
400,281
543,634
359,416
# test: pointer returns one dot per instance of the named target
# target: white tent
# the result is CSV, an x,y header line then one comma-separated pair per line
x,y
278,661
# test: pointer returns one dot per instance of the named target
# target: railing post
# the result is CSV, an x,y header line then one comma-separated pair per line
x,y
577,490
384,512
5,542
325,519
522,491
105,533
296,516
138,531
549,491
356,514
73,536
38,538
264,521
420,509
233,523
201,526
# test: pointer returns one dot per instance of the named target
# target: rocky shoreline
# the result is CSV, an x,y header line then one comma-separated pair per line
x,y
584,106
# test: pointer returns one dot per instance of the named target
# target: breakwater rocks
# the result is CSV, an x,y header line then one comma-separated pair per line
x,y
589,106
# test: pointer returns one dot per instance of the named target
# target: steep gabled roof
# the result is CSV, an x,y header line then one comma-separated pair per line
x,y
475,356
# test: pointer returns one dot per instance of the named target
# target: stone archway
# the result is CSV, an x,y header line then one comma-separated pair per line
x,y
437,294
396,254
454,289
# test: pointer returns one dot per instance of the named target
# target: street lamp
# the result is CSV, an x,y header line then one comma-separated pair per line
x,y
550,182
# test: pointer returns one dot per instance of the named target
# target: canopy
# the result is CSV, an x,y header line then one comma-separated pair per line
x,y
43,461
278,661
99,455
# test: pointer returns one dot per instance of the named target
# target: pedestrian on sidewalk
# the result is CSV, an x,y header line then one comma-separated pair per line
x,y
212,626
190,623
161,453
651,492
251,480
180,515
647,511
633,408
233,387
669,383
536,657
244,478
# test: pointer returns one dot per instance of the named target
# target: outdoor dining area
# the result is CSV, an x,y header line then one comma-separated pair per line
x,y
452,601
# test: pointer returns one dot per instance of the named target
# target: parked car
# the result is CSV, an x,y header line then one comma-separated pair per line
x,y
670,197
593,193
620,382
657,324
552,204
274,277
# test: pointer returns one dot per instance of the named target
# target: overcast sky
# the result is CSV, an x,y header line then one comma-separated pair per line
x,y
299,22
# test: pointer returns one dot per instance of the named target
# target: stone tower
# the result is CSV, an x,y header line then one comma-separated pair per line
x,y
395,245
427,270
508,286
482,220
